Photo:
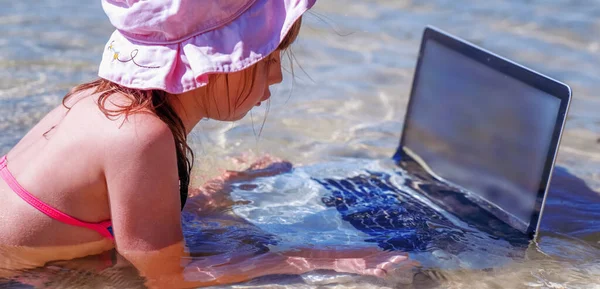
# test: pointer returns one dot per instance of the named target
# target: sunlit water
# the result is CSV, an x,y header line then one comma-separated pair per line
x,y
341,120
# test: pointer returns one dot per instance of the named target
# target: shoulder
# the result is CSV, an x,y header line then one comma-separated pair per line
x,y
140,141
137,133
141,132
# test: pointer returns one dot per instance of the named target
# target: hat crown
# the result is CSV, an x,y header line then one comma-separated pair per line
x,y
164,21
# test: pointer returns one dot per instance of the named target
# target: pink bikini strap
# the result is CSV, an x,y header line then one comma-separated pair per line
x,y
3,162
101,227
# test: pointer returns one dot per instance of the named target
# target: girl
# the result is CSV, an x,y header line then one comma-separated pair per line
x,y
111,167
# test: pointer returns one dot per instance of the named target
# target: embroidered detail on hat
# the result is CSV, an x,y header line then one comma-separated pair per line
x,y
132,56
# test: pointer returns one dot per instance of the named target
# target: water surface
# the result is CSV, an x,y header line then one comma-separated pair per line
x,y
342,115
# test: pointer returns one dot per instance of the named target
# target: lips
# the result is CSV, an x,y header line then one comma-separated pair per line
x,y
267,96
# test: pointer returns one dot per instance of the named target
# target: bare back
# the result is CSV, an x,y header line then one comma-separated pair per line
x,y
62,169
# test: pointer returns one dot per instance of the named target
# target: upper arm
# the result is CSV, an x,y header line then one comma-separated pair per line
x,y
143,185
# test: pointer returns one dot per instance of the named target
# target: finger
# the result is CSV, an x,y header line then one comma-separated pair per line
x,y
398,259
199,276
398,268
376,272
386,266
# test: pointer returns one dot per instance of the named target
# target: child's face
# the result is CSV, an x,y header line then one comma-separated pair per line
x,y
232,97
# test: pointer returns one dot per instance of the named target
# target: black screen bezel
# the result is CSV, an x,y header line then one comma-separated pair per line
x,y
516,71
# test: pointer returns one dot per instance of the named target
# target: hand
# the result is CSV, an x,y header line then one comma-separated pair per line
x,y
266,166
213,194
364,261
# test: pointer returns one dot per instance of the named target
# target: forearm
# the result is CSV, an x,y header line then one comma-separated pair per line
x,y
185,272
171,267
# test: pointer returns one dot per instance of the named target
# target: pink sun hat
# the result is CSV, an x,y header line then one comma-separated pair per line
x,y
174,45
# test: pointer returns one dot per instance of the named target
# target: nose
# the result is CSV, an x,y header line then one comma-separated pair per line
x,y
275,74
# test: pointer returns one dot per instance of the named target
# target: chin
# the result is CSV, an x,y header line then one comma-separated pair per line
x,y
235,117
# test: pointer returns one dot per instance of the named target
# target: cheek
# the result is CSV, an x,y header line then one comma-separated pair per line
x,y
251,92
217,102
248,100
236,94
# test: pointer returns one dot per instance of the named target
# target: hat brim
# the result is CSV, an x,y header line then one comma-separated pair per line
x,y
186,65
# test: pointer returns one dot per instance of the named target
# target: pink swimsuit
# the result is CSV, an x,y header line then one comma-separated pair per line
x,y
104,228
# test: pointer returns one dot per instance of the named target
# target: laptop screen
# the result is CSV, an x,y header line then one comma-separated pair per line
x,y
482,130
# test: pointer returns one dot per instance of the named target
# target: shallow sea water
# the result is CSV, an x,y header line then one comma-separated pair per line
x,y
341,117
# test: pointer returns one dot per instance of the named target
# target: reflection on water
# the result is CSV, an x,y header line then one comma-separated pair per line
x,y
224,234
351,203
359,57
380,205
447,234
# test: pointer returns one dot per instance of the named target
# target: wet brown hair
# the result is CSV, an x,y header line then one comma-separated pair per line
x,y
156,102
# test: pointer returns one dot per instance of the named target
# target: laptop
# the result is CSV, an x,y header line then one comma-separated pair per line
x,y
472,169
485,128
